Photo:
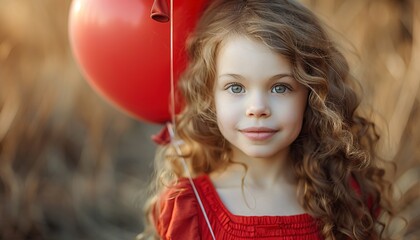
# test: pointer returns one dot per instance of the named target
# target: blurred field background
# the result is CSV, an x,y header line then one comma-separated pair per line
x,y
73,167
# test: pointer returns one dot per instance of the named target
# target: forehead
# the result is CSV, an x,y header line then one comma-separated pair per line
x,y
248,57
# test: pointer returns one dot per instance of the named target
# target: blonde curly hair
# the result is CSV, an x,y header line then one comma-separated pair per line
x,y
336,143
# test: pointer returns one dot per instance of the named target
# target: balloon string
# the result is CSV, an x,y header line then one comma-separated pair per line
x,y
172,128
172,65
176,143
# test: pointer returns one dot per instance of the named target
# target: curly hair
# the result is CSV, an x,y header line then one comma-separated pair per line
x,y
336,143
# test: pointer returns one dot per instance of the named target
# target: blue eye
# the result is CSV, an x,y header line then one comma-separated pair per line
x,y
279,89
236,88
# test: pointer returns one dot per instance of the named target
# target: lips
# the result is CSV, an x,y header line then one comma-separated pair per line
x,y
258,133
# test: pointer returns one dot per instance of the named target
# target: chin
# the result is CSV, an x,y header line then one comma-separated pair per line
x,y
259,154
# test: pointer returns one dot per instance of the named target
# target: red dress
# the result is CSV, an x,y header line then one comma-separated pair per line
x,y
177,215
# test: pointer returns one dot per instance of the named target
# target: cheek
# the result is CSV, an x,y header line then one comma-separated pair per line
x,y
292,113
292,121
227,113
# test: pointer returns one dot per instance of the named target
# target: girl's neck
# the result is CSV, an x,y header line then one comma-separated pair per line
x,y
269,187
261,173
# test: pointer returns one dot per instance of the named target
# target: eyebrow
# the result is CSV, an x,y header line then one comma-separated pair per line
x,y
237,76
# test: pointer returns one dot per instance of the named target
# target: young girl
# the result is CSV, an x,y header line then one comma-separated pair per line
x,y
270,134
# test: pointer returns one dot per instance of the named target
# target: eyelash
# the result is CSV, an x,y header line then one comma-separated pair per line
x,y
229,87
286,86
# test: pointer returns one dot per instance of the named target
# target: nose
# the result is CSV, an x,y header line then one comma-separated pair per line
x,y
258,106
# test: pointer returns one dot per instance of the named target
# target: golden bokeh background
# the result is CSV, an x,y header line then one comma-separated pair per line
x,y
73,167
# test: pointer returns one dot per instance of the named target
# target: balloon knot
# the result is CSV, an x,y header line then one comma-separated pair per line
x,y
160,11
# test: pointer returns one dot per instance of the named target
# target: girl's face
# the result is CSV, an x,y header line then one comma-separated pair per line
x,y
259,106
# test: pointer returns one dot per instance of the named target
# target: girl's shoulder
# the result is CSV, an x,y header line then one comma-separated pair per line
x,y
175,212
180,189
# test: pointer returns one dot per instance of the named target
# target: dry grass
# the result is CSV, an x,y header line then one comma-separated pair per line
x,y
386,37
71,167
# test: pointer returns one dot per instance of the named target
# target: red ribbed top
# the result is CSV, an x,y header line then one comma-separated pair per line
x,y
177,215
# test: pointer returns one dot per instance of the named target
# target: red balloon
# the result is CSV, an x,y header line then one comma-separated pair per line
x,y
125,54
